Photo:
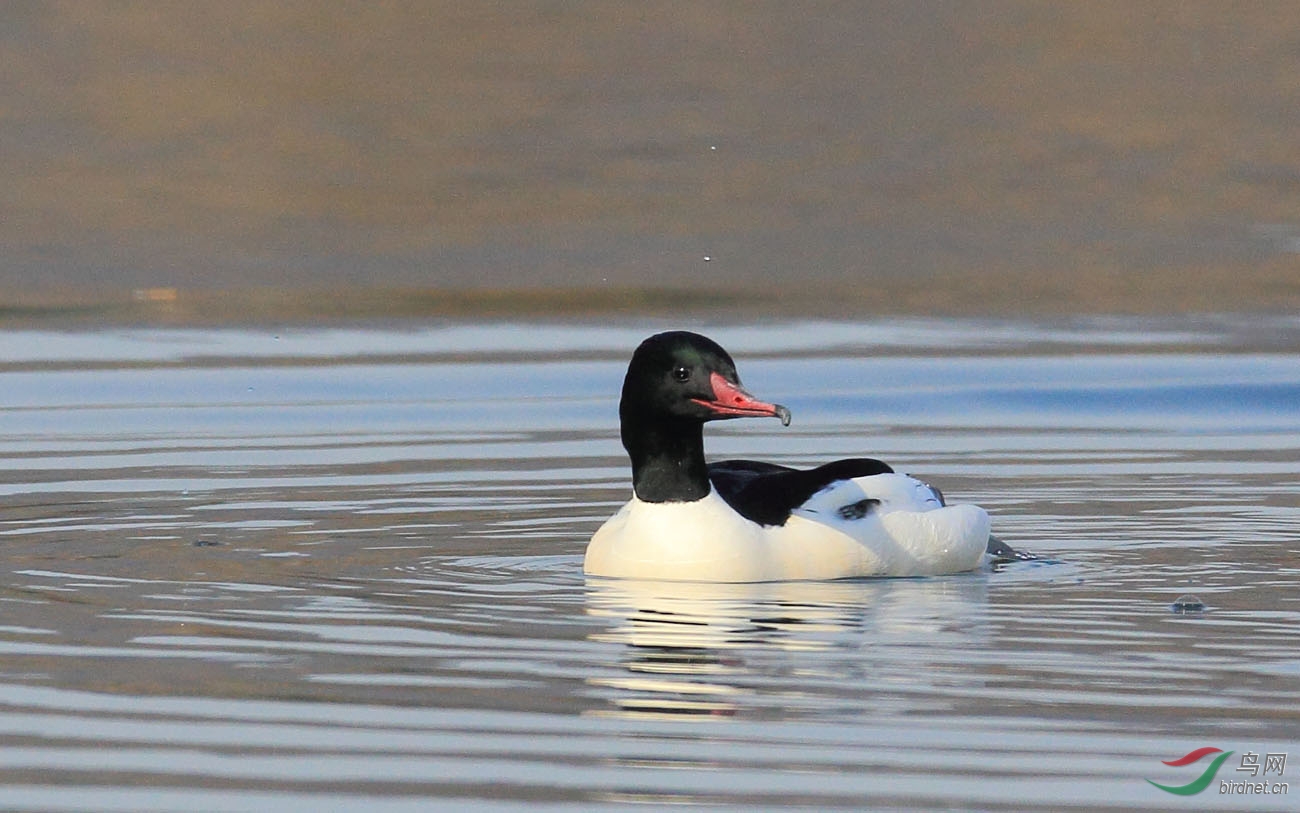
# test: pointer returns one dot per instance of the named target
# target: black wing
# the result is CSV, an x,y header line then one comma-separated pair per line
x,y
766,493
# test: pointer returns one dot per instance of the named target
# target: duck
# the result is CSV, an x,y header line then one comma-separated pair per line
x,y
752,521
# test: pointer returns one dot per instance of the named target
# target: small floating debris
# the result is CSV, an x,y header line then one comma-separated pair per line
x,y
1188,605
159,295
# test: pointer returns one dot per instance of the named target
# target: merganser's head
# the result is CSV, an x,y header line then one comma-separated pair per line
x,y
688,376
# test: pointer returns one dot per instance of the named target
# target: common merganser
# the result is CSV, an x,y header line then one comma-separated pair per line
x,y
747,521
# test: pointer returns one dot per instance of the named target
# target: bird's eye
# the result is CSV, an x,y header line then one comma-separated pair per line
x,y
682,374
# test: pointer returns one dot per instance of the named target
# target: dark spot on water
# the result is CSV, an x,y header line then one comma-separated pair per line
x,y
1188,605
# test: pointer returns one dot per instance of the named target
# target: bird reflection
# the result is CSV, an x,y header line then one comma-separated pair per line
x,y
705,649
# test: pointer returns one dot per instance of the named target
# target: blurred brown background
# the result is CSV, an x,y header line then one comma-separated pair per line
x,y
916,156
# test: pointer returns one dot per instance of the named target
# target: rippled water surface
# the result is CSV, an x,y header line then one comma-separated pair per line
x,y
341,569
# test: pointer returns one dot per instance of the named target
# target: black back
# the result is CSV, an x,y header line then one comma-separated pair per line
x,y
766,493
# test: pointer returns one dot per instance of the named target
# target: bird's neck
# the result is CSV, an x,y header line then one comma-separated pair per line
x,y
667,459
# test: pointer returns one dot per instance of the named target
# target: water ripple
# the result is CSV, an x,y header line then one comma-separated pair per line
x,y
242,574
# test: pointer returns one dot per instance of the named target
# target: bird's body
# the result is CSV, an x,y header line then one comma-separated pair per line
x,y
706,540
748,521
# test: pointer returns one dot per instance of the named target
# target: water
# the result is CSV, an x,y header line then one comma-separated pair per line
x,y
341,569
932,156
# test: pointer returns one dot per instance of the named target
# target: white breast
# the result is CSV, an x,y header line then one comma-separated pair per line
x,y
690,541
907,534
